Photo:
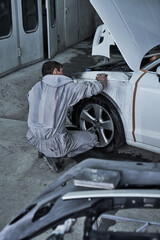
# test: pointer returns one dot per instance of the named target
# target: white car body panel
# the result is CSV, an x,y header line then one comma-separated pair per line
x,y
120,90
134,26
143,146
147,112
102,41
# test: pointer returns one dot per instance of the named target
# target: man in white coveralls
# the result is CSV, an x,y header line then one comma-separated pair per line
x,y
49,101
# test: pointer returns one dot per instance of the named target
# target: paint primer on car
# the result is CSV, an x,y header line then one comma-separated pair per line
x,y
127,110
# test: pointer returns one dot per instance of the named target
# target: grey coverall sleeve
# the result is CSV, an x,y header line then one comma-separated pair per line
x,y
86,89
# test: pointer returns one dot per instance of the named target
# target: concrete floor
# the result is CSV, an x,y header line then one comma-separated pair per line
x,y
22,174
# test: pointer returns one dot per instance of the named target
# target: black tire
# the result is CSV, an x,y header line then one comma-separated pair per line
x,y
100,115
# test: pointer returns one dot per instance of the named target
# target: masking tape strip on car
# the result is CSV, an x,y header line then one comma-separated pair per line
x,y
134,101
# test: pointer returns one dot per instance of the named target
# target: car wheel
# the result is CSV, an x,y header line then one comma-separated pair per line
x,y
98,114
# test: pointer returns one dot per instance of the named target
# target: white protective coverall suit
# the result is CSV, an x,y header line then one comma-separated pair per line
x,y
49,101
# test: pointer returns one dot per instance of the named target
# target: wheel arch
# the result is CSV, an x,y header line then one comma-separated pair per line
x,y
119,137
117,108
109,98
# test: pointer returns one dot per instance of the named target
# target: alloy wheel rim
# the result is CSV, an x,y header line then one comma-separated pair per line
x,y
97,119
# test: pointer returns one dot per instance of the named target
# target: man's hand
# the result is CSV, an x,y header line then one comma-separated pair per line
x,y
102,77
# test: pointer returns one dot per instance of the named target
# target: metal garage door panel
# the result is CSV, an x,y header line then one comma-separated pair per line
x,y
71,22
8,45
30,31
52,28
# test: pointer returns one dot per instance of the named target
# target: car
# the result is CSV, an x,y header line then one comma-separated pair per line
x,y
127,110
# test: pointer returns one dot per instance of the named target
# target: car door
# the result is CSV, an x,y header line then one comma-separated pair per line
x,y
147,111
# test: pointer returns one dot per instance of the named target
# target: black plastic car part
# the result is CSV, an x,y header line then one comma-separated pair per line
x,y
138,187
117,65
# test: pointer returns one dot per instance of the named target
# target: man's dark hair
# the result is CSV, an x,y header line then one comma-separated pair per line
x,y
49,66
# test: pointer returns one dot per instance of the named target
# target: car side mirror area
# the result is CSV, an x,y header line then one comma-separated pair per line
x,y
158,72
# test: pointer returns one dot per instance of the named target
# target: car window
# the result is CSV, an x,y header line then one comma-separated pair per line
x,y
152,66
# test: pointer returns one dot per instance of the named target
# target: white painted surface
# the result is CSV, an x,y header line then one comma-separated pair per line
x,y
134,26
147,113
102,41
120,89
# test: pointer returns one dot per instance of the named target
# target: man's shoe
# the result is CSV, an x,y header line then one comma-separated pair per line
x,y
54,164
40,154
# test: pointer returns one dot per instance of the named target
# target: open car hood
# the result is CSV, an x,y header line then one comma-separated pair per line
x,y
133,25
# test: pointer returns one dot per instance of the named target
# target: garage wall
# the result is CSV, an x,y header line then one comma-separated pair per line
x,y
86,19
77,20
59,24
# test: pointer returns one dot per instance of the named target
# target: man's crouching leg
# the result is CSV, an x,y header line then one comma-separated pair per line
x,y
82,141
